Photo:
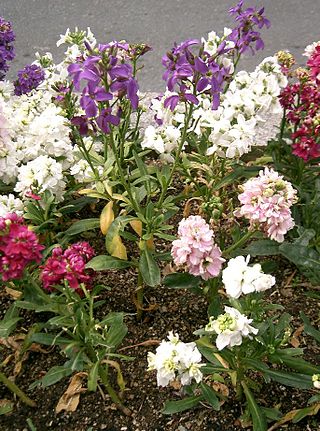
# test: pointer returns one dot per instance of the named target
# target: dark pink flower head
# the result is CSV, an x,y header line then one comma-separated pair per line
x,y
19,246
68,266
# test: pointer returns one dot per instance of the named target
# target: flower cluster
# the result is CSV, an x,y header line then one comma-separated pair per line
x,y
244,35
109,77
68,266
266,202
31,126
250,104
301,102
19,246
10,204
195,248
240,278
7,53
176,360
231,327
29,78
41,174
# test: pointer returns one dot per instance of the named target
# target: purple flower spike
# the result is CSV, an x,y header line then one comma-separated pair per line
x,y
7,53
244,35
29,79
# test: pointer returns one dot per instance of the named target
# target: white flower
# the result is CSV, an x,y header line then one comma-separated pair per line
x,y
230,327
40,174
310,49
240,278
176,360
316,381
10,204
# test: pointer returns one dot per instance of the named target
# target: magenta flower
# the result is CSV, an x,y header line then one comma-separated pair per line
x,y
68,266
19,246
195,248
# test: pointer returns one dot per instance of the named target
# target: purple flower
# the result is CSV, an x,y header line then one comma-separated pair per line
x,y
106,118
90,96
7,53
243,34
29,78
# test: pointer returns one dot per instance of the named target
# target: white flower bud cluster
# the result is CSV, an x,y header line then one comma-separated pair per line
x,y
176,360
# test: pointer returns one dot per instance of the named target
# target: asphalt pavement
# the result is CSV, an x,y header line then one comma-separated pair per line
x,y
159,23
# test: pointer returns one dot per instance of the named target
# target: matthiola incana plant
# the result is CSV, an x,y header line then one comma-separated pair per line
x,y
241,340
87,343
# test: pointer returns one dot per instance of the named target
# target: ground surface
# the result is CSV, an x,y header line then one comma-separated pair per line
x,y
38,24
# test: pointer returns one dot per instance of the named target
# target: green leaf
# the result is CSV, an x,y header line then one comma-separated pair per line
x,y
171,407
6,327
149,269
55,374
309,329
301,256
258,418
6,407
295,380
307,411
272,414
263,247
181,280
210,396
49,339
83,226
116,334
93,377
105,262
297,364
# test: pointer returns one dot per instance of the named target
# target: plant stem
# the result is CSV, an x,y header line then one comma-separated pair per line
x,y
113,395
239,243
176,160
16,390
140,296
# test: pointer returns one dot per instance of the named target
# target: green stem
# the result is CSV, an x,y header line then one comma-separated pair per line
x,y
113,395
239,243
16,390
140,296
176,160
123,180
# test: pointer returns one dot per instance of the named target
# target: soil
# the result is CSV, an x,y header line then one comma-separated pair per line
x,y
177,310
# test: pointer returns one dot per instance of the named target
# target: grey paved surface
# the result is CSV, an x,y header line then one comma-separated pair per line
x,y
38,24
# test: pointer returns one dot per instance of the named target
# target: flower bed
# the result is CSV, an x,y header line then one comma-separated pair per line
x,y
181,236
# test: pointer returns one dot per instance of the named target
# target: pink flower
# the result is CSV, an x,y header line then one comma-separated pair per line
x,y
195,248
19,246
68,266
266,202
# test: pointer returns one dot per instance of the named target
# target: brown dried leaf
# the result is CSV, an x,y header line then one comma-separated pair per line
x,y
221,360
294,340
175,384
168,269
15,294
70,399
221,388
